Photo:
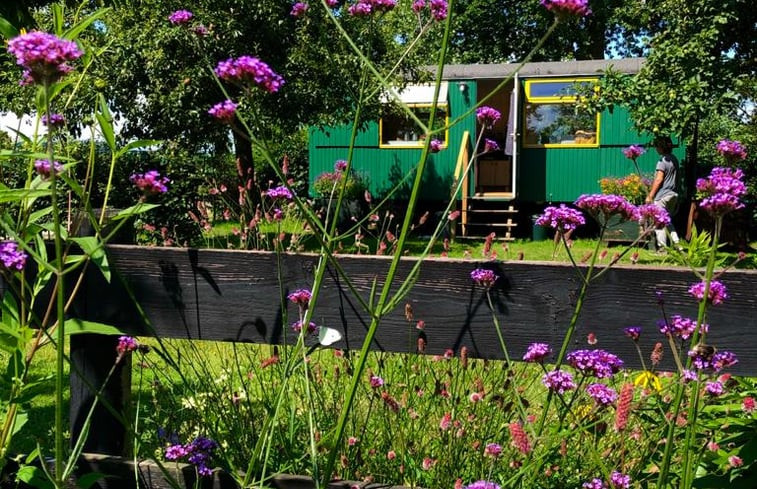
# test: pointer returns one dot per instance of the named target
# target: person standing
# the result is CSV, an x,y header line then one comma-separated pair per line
x,y
664,190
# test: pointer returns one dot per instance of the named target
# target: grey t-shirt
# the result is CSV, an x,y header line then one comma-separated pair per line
x,y
668,165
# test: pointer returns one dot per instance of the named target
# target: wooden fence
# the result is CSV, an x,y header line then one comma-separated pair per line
x,y
235,296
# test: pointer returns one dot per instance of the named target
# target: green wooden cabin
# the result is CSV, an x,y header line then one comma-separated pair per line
x,y
549,152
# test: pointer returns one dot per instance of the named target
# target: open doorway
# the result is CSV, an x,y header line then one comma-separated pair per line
x,y
493,170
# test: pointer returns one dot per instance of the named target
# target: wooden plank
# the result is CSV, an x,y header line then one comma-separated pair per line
x,y
235,296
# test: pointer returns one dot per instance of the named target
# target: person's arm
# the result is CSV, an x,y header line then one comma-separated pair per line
x,y
659,176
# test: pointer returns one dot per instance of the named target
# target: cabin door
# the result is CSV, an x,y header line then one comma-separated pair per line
x,y
494,174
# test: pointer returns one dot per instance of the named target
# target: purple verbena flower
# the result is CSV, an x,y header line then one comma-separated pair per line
x,y
493,450
714,388
484,277
280,192
44,56
200,30
126,344
716,295
567,8
731,150
340,165
653,216
561,218
180,17
608,205
247,69
376,381
418,5
681,327
490,145
595,483
438,9
297,327
360,9
299,9
224,111
300,297
11,257
175,452
54,121
723,359
45,169
721,192
558,381
603,395
633,332
150,183
435,146
619,480
632,152
537,352
599,363
688,376
483,485
487,116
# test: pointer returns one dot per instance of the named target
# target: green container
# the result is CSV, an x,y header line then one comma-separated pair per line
x,y
538,233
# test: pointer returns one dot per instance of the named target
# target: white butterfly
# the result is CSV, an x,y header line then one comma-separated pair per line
x,y
328,336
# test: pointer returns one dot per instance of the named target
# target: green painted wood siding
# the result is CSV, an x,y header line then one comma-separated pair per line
x,y
385,168
563,174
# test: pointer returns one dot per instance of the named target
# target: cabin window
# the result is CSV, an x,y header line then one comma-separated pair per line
x,y
398,130
551,118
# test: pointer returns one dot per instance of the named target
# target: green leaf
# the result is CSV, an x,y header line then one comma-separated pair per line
x,y
107,129
92,246
22,417
78,326
74,31
10,310
18,194
85,481
7,30
134,210
34,476
140,143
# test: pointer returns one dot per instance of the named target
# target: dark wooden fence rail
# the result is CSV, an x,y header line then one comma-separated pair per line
x,y
234,296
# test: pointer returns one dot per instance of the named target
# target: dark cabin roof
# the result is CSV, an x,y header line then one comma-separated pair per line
x,y
546,68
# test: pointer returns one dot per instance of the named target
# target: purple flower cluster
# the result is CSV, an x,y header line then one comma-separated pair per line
x,y
681,327
619,480
180,17
714,388
723,359
608,205
595,483
603,395
297,327
363,8
299,9
599,363
558,381
537,352
300,297
703,357
11,257
280,192
150,183
490,145
340,165
45,57
487,116
493,450
44,168
632,152
653,216
731,150
483,485
197,453
484,277
435,146
246,69
126,344
567,8
633,332
376,381
53,120
438,9
561,218
224,111
721,192
716,295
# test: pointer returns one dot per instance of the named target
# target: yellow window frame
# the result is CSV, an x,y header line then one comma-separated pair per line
x,y
562,99
419,143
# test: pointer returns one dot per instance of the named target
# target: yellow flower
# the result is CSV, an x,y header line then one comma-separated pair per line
x,y
645,378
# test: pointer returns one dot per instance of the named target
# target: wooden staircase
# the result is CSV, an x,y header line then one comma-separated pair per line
x,y
481,217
